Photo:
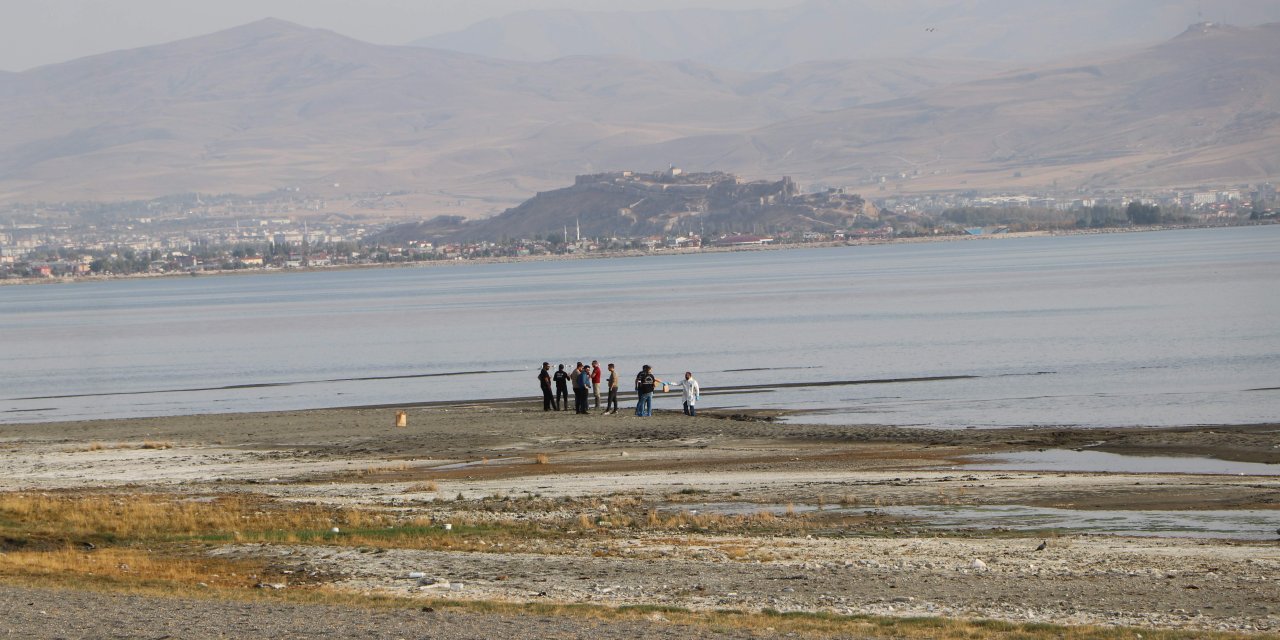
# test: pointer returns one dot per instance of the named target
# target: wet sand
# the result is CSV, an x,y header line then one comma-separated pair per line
x,y
480,460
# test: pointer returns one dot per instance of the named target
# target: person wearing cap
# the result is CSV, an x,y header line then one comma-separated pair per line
x,y
645,383
691,393
562,389
544,381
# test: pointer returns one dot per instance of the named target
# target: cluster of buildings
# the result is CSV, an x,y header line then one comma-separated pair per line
x,y
145,244
1203,204
65,241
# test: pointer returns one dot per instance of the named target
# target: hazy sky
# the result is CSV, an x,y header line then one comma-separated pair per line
x,y
38,32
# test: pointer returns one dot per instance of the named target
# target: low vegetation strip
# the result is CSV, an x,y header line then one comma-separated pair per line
x,y
51,522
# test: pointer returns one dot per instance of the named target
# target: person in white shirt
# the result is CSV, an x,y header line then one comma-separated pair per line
x,y
691,393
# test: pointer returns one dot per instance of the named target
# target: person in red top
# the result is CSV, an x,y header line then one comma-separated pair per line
x,y
595,380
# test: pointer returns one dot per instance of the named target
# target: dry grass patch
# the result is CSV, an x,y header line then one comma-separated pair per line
x,y
379,470
42,521
127,566
735,552
102,446
46,521
133,517
429,486
722,522
155,444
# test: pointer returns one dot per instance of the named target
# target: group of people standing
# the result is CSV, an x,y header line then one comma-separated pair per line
x,y
586,380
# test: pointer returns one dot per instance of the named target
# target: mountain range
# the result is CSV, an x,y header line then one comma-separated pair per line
x,y
1012,31
1202,108
273,104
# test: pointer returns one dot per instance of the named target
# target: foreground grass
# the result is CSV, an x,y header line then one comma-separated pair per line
x,y
54,518
157,546
115,568
52,521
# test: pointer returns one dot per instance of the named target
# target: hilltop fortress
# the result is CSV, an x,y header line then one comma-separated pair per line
x,y
629,204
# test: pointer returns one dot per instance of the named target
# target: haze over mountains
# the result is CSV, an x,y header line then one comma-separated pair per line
x,y
273,104
1018,31
1201,108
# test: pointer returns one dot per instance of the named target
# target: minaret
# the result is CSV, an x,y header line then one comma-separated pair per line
x,y
577,226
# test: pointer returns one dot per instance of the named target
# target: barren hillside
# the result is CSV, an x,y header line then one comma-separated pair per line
x,y
1023,32
272,104
1201,108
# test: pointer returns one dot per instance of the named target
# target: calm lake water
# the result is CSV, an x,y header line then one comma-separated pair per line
x,y
1163,328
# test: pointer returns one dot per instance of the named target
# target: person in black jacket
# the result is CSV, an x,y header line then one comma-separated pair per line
x,y
544,381
646,382
562,389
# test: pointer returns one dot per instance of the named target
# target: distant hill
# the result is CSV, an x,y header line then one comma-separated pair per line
x,y
1022,32
428,132
631,205
273,104
1201,108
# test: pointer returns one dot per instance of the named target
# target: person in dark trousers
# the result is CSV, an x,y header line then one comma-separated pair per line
x,y
595,380
544,381
611,406
692,393
587,373
562,389
581,384
645,384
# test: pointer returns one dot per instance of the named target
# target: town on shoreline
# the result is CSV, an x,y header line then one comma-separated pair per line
x,y
613,214
750,243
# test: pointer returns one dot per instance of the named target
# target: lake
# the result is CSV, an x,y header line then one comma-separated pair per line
x,y
1159,328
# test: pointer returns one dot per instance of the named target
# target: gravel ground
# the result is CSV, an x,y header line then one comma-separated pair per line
x,y
1102,580
74,615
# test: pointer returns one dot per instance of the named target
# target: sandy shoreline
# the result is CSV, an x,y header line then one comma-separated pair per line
x,y
504,462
